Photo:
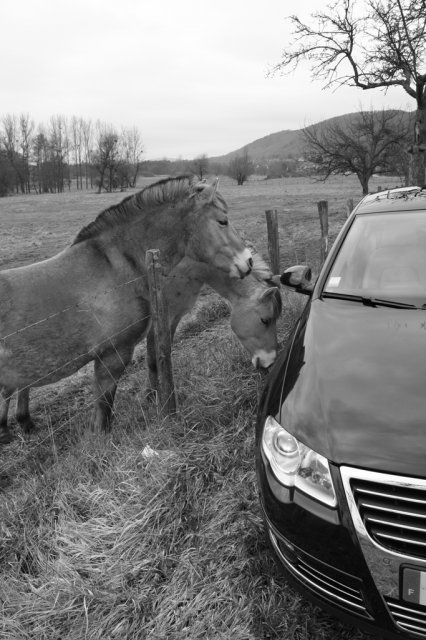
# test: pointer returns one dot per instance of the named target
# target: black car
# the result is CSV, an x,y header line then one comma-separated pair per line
x,y
341,430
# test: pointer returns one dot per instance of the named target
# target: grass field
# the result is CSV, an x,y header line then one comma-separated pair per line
x,y
101,538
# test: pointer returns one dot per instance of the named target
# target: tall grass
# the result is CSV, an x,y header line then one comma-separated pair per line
x,y
153,532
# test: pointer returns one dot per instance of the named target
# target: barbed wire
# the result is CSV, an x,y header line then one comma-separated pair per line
x,y
91,353
53,431
94,400
80,305
65,309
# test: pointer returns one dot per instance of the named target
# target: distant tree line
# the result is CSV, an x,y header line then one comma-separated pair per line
x,y
51,157
82,154
240,167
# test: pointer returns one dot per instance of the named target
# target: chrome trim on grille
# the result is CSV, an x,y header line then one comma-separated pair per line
x,y
325,586
401,512
383,562
402,539
389,495
406,617
389,523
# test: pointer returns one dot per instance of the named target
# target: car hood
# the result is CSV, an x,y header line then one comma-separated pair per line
x,y
355,385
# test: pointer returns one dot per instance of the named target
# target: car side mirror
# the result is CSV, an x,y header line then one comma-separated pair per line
x,y
299,279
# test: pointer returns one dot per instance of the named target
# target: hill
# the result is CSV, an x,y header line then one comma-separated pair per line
x,y
283,144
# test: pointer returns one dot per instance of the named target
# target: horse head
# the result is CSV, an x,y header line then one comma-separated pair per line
x,y
214,240
254,322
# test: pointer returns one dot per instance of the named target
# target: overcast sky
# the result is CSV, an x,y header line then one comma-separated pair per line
x,y
190,75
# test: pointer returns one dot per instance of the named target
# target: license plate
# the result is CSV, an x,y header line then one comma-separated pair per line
x,y
414,586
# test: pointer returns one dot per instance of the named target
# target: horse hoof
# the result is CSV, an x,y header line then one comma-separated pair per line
x,y
27,425
6,436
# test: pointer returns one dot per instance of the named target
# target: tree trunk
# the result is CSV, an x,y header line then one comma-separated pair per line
x,y
364,183
418,150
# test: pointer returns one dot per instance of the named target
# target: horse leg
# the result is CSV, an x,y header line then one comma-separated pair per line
x,y
23,410
109,367
5,433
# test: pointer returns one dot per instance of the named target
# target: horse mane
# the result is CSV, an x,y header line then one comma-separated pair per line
x,y
167,190
260,269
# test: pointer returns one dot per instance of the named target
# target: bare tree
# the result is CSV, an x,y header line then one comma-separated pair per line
x,y
131,151
16,139
200,166
364,143
87,134
368,44
106,156
42,178
59,150
7,174
241,167
77,148
26,129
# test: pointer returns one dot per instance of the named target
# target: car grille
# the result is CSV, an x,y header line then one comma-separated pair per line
x,y
341,589
393,514
408,617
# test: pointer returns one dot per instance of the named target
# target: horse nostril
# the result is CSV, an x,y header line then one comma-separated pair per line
x,y
250,262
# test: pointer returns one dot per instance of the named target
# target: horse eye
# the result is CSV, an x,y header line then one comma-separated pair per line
x,y
223,223
265,322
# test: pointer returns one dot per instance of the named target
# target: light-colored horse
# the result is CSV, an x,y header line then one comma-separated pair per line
x,y
255,301
91,301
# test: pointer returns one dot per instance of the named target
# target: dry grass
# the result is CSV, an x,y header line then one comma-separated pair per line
x,y
100,538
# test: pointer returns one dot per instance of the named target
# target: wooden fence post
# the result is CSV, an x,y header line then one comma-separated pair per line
x,y
349,206
161,328
273,239
323,216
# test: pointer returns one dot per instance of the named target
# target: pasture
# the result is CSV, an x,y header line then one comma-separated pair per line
x,y
154,532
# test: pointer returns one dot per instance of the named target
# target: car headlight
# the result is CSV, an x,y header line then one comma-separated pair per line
x,y
296,465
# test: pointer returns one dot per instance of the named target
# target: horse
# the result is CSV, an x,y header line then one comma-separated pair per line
x,y
255,302
90,302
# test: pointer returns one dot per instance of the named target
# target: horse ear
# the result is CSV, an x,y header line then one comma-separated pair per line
x,y
214,189
268,293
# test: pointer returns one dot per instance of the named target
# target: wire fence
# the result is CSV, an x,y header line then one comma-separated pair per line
x,y
86,305
5,468
87,355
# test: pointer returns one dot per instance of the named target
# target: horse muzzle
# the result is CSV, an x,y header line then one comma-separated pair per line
x,y
243,265
264,359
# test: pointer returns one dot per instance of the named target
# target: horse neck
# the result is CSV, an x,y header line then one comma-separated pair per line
x,y
134,238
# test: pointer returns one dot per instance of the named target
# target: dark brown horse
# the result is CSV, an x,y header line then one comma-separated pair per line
x,y
91,301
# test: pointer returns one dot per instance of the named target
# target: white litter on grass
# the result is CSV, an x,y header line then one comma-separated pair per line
x,y
149,452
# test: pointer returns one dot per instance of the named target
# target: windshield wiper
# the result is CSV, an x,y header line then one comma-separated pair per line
x,y
369,301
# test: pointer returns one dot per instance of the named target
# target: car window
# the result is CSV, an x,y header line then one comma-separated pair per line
x,y
384,256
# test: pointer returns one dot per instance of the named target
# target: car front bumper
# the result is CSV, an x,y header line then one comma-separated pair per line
x,y
365,562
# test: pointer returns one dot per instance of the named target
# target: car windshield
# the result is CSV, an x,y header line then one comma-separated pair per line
x,y
383,256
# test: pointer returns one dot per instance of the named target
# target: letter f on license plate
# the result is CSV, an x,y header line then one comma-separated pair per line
x,y
414,586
